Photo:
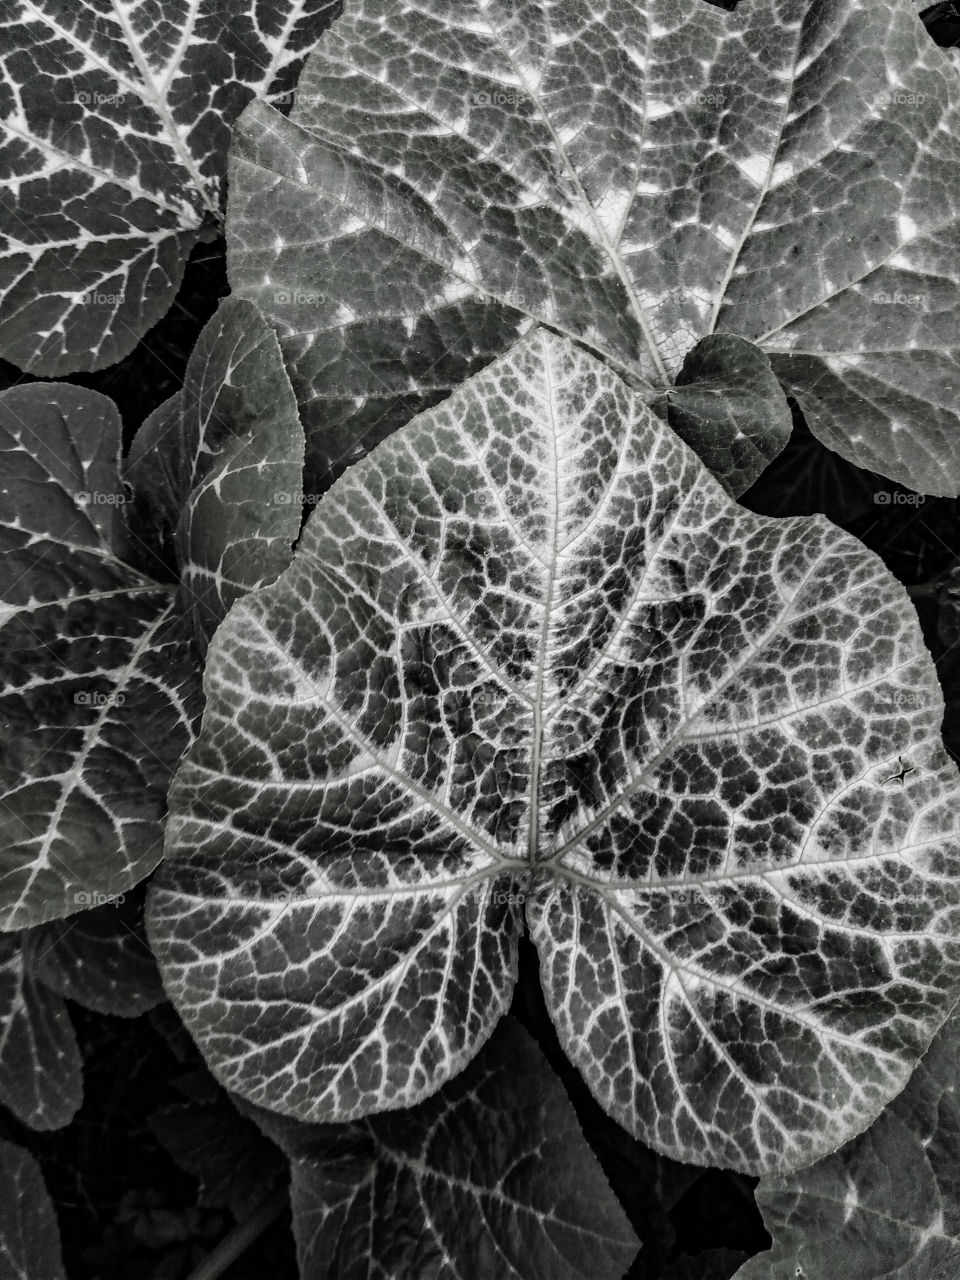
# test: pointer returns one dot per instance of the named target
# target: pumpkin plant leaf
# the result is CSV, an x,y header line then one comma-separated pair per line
x,y
491,1179
887,1205
100,685
638,178
221,464
530,662
116,124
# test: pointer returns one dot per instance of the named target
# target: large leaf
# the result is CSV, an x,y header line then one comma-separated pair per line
x,y
639,177
531,661
99,684
116,122
221,464
489,1180
40,1066
887,1205
29,1237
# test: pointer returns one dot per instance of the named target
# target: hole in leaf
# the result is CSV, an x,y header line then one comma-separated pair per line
x,y
729,5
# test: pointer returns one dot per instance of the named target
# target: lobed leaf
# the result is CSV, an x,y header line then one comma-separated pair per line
x,y
531,663
116,122
638,177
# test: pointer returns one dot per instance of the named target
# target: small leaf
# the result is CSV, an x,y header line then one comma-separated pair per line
x,y
531,662
887,1205
40,1065
100,959
221,464
29,1236
116,121
100,684
729,407
491,1179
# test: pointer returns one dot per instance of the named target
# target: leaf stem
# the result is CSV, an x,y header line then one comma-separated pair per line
x,y
237,1241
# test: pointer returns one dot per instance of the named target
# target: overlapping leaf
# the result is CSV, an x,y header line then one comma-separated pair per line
x,y
100,959
115,118
530,659
638,176
489,1180
40,1066
99,685
29,1237
220,465
887,1205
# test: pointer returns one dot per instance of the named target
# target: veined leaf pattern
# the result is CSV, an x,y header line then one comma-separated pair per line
x,y
530,661
639,175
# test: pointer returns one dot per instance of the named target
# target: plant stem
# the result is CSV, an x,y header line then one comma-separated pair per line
x,y
925,590
236,1243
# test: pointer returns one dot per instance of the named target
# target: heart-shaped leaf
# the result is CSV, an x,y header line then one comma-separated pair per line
x,y
638,177
116,120
531,661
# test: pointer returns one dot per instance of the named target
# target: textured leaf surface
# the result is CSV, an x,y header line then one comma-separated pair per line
x,y
639,176
100,959
221,465
887,1205
100,685
489,1180
531,659
29,1237
116,118
40,1067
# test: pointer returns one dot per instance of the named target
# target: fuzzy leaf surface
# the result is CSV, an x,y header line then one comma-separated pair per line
x,y
638,176
531,660
116,119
